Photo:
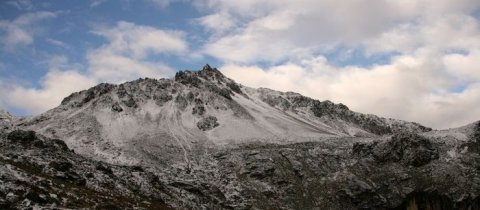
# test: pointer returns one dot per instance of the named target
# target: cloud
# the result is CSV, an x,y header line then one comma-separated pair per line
x,y
21,31
429,49
57,43
410,87
125,56
162,3
138,41
96,3
464,66
54,86
61,80
128,50
216,22
22,4
274,31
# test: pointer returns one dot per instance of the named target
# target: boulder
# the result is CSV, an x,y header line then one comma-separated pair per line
x,y
207,123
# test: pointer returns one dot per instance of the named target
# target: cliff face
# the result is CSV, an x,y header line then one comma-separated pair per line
x,y
202,141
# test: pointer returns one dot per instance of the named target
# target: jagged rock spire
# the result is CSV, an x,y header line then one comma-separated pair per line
x,y
207,68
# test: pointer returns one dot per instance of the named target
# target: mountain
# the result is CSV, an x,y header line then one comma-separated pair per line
x,y
203,141
129,122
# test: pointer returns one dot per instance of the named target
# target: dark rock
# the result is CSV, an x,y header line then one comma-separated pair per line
x,y
137,168
436,201
198,101
69,98
89,95
130,102
107,170
187,78
188,187
108,206
181,101
59,144
161,98
261,173
234,87
4,204
190,96
62,166
225,93
408,148
121,91
199,110
473,145
343,107
21,136
361,194
36,198
116,107
277,101
207,68
73,177
207,123
39,143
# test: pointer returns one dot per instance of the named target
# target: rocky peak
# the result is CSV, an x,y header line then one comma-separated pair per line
x,y
207,68
196,77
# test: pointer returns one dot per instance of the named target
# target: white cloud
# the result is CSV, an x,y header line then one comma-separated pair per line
x,y
57,43
446,32
216,22
55,85
466,67
22,30
22,4
411,87
138,41
273,30
432,76
96,3
125,56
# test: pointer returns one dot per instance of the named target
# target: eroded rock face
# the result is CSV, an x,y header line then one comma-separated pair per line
x,y
407,148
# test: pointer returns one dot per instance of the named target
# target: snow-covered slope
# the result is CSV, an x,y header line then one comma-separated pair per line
x,y
170,120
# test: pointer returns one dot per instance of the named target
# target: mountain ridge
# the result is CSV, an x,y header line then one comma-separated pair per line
x,y
202,141
203,105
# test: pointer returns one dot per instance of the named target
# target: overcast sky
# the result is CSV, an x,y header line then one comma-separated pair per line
x,y
416,60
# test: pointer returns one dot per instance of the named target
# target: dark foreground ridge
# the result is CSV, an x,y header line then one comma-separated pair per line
x,y
404,172
203,141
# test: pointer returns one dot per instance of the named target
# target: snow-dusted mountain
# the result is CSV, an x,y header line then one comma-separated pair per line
x,y
129,122
203,141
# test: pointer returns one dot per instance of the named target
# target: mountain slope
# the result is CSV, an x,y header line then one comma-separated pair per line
x,y
202,141
130,122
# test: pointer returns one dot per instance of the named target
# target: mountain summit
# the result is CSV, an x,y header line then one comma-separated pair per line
x,y
202,141
130,121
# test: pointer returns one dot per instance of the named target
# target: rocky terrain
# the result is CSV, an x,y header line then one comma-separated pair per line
x,y
202,141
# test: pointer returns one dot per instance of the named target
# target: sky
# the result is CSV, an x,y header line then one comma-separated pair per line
x,y
415,60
